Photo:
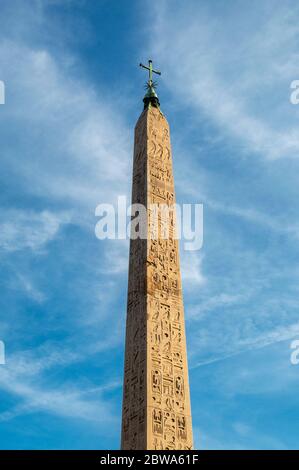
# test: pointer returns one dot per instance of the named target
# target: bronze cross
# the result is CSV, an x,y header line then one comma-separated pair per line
x,y
150,71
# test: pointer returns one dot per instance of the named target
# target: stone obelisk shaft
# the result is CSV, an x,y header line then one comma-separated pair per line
x,y
156,403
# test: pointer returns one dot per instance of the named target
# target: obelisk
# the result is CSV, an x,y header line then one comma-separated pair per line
x,y
156,402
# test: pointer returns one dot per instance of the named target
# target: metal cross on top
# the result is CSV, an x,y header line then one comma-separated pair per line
x,y
150,71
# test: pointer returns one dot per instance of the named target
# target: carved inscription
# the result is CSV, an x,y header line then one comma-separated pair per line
x,y
156,403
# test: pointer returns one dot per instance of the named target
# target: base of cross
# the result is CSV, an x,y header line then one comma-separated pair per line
x,y
152,100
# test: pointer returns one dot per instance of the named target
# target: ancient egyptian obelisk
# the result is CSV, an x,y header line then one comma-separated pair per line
x,y
156,403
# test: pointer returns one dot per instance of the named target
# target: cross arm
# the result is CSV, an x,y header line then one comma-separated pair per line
x,y
150,69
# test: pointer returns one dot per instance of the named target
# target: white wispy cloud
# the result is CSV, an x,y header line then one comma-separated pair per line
x,y
24,375
269,338
116,258
192,269
63,402
21,229
220,300
233,74
71,138
25,284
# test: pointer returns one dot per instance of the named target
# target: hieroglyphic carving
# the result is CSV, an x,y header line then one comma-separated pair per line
x,y
156,403
134,420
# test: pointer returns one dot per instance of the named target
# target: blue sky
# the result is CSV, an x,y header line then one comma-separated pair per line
x,y
73,95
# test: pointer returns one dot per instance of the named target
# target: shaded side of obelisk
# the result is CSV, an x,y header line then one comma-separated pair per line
x,y
135,385
156,402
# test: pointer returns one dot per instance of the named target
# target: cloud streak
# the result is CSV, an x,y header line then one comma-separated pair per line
x,y
229,77
20,230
